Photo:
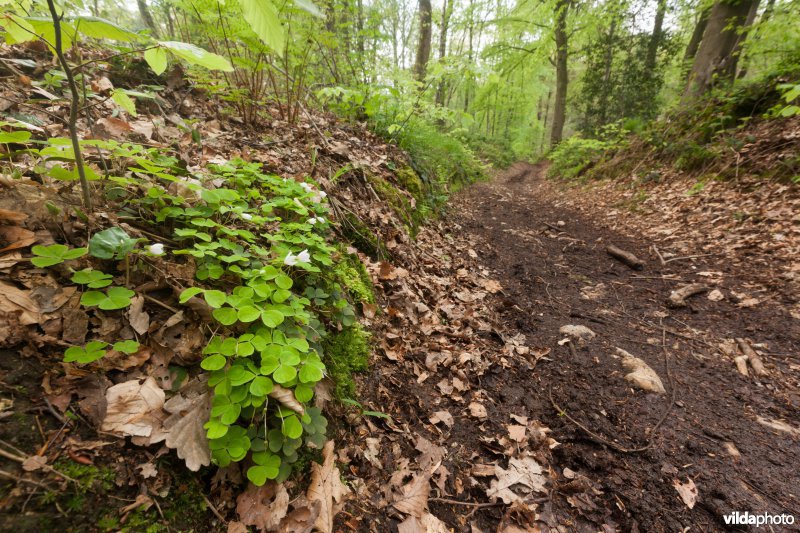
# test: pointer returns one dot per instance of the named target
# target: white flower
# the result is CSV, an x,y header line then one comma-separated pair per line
x,y
313,220
323,194
247,216
317,198
156,249
292,260
306,187
320,219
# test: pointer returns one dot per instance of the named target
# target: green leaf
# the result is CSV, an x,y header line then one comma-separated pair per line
x,y
310,374
215,298
55,254
261,386
213,362
225,315
248,313
117,298
93,351
272,318
111,242
93,279
303,393
239,375
284,374
262,17
283,281
121,98
14,136
292,427
216,429
128,346
281,295
189,293
19,29
157,59
194,55
92,298
98,28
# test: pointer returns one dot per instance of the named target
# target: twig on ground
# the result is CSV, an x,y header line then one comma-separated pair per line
x,y
660,257
214,509
625,257
470,504
671,259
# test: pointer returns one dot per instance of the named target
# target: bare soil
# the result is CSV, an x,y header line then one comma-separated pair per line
x,y
544,270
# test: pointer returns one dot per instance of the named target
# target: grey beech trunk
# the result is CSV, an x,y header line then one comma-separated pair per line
x,y
562,51
147,18
721,38
424,43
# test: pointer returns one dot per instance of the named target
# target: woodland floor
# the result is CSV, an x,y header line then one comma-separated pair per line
x,y
734,437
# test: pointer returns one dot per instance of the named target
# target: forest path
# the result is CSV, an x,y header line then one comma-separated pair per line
x,y
555,271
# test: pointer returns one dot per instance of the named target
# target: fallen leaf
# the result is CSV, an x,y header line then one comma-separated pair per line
x,y
525,474
442,416
491,285
130,407
640,374
327,488
427,523
286,397
34,462
16,302
478,411
184,427
413,498
139,319
687,491
517,433
16,237
263,507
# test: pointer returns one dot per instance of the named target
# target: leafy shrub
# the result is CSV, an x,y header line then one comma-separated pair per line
x,y
574,155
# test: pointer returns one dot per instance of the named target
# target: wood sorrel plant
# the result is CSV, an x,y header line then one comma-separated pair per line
x,y
259,245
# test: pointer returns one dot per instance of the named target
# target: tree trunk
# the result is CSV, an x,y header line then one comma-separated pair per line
x,y
609,61
147,18
697,36
447,10
717,49
562,43
655,39
424,43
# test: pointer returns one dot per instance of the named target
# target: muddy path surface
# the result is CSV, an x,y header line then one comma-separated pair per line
x,y
733,437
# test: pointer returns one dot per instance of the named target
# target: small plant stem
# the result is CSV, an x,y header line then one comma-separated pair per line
x,y
73,108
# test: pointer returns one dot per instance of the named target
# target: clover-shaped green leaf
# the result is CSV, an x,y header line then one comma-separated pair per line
x,y
225,315
292,427
267,467
93,351
111,243
127,346
113,298
55,254
94,279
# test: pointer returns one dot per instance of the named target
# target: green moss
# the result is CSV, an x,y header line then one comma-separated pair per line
x,y
399,202
352,275
411,181
347,352
88,476
362,237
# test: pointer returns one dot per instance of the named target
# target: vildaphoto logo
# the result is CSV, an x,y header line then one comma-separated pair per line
x,y
765,519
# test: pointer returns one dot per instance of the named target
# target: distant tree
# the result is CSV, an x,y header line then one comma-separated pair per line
x,y
562,76
147,18
721,45
424,43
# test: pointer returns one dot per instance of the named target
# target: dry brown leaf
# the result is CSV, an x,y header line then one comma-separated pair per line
x,y
16,237
413,498
687,491
516,433
442,416
263,507
131,406
13,216
286,397
184,427
138,317
34,462
640,373
491,285
427,523
478,411
327,488
16,302
525,474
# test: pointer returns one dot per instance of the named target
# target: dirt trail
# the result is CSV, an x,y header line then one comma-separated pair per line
x,y
554,270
